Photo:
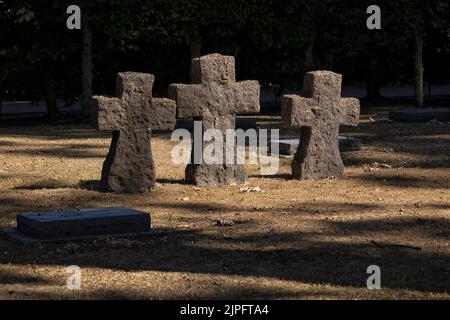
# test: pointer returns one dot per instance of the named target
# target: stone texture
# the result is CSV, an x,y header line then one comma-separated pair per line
x,y
84,223
163,114
215,97
319,115
289,147
421,115
129,166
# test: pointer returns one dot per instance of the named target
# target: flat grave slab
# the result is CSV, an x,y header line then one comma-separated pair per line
x,y
83,224
288,147
420,115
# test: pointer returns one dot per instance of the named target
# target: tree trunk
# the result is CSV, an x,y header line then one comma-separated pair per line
x,y
87,68
50,92
196,48
309,51
372,80
196,52
237,52
419,65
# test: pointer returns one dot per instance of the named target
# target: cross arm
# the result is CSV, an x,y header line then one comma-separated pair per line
x,y
189,99
247,95
162,114
349,111
108,113
297,110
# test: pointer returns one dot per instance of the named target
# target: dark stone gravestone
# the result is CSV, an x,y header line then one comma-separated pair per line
x,y
421,115
83,224
129,165
319,115
215,98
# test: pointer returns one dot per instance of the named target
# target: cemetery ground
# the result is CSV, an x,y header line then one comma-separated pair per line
x,y
286,239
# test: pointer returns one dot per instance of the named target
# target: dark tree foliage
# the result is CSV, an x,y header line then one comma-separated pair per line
x,y
274,41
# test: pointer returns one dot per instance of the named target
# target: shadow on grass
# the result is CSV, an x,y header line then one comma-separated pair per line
x,y
95,185
12,278
45,184
59,152
428,227
174,181
296,256
281,176
414,139
78,132
359,159
307,260
92,185
400,181
302,256
7,144
217,291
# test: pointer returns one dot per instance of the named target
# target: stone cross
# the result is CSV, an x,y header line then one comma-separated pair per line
x,y
319,115
129,165
215,98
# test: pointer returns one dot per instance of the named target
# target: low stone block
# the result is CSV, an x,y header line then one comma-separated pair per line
x,y
245,123
421,115
288,147
240,123
163,114
83,223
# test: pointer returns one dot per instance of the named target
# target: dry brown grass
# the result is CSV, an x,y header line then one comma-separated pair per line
x,y
293,240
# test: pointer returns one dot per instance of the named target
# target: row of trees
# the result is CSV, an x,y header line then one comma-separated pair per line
x,y
274,41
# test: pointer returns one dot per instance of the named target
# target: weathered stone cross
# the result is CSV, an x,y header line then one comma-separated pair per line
x,y
319,115
129,166
215,97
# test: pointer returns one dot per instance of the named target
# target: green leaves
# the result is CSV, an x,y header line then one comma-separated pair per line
x,y
24,15
275,41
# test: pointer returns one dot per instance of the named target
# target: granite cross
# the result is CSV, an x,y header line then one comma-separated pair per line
x,y
319,115
215,98
129,165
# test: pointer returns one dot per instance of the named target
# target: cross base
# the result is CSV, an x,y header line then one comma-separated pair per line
x,y
216,175
129,166
317,156
302,170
